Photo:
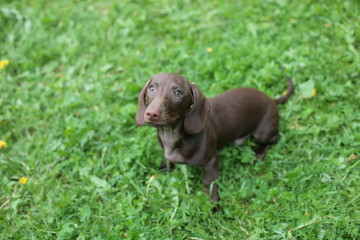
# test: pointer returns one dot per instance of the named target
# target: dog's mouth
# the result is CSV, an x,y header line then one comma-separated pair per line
x,y
157,123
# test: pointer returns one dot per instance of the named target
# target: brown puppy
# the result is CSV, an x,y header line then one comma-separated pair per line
x,y
191,128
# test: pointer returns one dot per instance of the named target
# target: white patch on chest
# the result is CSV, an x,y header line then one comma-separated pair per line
x,y
169,137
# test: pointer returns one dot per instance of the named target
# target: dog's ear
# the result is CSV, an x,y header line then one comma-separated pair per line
x,y
195,119
139,119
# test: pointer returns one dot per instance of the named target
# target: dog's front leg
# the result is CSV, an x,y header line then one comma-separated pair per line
x,y
211,173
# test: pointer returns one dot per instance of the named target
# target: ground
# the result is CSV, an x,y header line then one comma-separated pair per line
x,y
75,166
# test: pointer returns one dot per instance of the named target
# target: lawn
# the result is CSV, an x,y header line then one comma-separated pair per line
x,y
73,164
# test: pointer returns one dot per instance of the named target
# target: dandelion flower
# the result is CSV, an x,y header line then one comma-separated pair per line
x,y
307,214
4,63
313,92
267,19
152,178
3,144
209,50
23,180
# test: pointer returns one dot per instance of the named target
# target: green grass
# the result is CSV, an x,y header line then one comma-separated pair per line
x,y
69,96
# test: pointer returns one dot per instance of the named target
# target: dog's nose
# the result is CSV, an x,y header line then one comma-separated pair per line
x,y
152,114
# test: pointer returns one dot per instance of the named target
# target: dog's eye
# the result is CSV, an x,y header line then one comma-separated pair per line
x,y
152,88
178,93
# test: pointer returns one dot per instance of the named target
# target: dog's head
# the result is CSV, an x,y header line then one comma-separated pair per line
x,y
167,98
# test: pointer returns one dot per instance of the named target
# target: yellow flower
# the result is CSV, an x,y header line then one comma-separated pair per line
x,y
267,19
209,50
23,180
152,178
3,144
353,156
313,92
4,63
284,93
307,214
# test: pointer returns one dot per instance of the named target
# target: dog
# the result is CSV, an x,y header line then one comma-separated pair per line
x,y
191,129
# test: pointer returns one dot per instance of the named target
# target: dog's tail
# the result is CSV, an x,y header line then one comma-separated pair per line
x,y
288,92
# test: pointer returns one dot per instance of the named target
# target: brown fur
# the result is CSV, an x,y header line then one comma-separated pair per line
x,y
191,128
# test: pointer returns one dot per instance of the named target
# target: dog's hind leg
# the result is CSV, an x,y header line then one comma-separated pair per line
x,y
262,148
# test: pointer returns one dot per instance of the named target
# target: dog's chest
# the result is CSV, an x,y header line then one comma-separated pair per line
x,y
171,139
